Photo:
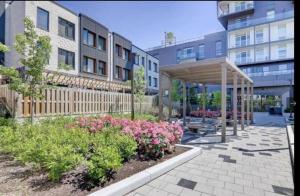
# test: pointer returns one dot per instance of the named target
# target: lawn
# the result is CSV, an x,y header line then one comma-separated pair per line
x,y
100,150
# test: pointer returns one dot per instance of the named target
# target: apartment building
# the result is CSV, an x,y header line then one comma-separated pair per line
x,y
258,37
151,67
50,19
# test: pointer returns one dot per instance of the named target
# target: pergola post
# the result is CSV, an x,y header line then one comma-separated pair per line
x,y
160,98
204,104
252,103
170,98
242,103
235,103
184,102
248,103
224,92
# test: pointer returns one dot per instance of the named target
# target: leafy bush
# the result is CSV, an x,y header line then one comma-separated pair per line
x,y
7,121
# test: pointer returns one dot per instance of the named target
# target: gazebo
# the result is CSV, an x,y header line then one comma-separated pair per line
x,y
207,72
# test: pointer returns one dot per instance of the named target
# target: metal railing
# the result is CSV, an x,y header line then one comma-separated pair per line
x,y
247,6
281,16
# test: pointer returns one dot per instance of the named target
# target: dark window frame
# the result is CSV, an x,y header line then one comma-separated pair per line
x,y
85,59
37,19
60,19
87,43
104,68
67,55
104,45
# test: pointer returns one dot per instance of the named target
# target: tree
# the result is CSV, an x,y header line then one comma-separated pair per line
x,y
175,94
139,85
34,51
203,99
216,101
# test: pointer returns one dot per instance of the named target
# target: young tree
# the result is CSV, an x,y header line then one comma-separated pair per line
x,y
34,51
217,99
175,94
139,85
203,99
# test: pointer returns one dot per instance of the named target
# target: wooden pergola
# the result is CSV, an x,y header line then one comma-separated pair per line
x,y
207,72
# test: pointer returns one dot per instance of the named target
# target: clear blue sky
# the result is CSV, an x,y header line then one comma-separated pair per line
x,y
144,23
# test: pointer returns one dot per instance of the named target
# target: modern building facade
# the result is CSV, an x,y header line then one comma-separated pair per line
x,y
90,48
151,67
258,37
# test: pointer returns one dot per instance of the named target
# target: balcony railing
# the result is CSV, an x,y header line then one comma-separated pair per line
x,y
281,16
243,7
243,61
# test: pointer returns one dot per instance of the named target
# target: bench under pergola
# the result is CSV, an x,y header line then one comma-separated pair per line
x,y
208,72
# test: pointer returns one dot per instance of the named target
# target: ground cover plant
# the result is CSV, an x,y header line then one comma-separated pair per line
x,y
100,145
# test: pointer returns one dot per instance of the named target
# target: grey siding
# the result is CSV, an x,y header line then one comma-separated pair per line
x,y
167,55
92,52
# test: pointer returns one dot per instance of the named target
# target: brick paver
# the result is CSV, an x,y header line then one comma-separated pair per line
x,y
228,169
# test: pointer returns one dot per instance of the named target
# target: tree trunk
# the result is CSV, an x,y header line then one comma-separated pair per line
x,y
140,107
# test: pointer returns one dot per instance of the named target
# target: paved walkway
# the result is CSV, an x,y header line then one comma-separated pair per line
x,y
256,162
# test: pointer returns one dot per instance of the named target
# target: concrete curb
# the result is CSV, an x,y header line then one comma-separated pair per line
x,y
135,181
290,134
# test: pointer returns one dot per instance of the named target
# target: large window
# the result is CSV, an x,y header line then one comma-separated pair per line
x,y
218,48
187,52
42,19
259,36
137,59
118,72
89,38
281,31
101,68
155,67
101,43
66,57
241,40
119,50
66,28
155,82
149,65
178,54
282,51
201,51
126,74
259,54
89,64
241,57
126,54
143,61
239,6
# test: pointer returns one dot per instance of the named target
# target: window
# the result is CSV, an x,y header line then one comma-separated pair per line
x,y
143,61
155,82
282,51
281,31
149,65
241,57
266,69
259,54
101,68
149,80
125,54
118,72
89,64
126,74
239,6
282,67
187,52
66,29
89,38
101,43
155,67
270,14
241,40
42,19
218,48
137,59
201,51
241,22
259,36
118,50
66,57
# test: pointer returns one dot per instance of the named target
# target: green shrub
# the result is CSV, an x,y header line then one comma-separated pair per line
x,y
104,161
138,116
7,122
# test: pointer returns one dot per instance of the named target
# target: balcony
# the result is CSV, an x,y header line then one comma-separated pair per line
x,y
257,21
243,60
190,57
225,11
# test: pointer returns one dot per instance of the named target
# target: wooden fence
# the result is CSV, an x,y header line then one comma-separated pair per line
x,y
72,101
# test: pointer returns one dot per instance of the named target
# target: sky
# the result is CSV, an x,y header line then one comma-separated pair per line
x,y
144,22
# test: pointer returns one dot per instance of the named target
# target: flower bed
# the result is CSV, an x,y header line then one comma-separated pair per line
x,y
95,146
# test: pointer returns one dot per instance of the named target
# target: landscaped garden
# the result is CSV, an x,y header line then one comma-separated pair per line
x,y
88,152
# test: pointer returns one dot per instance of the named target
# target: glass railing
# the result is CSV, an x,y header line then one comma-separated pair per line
x,y
247,6
271,73
243,61
187,56
257,21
